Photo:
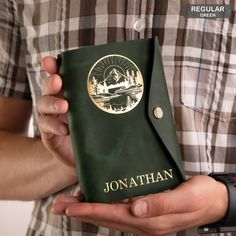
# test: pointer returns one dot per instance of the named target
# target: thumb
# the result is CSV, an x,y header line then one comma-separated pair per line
x,y
175,201
151,205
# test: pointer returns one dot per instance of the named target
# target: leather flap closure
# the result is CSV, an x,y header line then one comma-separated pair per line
x,y
163,121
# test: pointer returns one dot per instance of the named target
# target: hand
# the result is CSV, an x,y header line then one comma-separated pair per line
x,y
52,110
198,201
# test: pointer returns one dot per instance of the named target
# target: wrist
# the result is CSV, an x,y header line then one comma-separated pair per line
x,y
70,171
228,222
222,203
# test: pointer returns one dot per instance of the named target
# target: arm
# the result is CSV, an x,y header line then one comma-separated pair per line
x,y
28,170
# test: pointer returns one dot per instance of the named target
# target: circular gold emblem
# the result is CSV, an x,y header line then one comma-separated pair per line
x,y
115,84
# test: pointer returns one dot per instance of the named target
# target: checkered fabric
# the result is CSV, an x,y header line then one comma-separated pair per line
x,y
199,57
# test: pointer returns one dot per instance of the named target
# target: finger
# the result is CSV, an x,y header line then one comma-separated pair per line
x,y
52,85
126,200
94,219
52,105
61,202
49,64
49,126
100,211
59,208
63,118
114,218
113,213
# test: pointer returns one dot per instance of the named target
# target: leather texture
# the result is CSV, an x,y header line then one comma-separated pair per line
x,y
115,148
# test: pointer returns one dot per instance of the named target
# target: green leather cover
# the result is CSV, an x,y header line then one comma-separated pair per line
x,y
121,149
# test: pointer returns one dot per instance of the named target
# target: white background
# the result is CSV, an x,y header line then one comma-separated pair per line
x,y
14,217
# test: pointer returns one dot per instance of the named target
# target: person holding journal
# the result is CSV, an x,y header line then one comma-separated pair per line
x,y
199,62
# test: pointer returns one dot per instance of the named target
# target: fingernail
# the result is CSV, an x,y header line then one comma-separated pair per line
x,y
54,202
67,212
63,129
54,106
141,208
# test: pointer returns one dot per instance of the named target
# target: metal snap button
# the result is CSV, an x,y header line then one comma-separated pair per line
x,y
138,25
158,112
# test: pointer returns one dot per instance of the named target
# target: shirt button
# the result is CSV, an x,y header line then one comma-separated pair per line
x,y
139,25
158,112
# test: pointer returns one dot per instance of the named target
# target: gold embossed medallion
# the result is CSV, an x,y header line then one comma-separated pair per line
x,y
115,84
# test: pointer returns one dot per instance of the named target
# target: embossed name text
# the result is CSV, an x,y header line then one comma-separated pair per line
x,y
138,180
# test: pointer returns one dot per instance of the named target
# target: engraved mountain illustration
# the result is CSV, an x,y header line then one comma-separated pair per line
x,y
114,77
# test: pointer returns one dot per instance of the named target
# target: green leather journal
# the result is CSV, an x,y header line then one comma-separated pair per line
x,y
120,120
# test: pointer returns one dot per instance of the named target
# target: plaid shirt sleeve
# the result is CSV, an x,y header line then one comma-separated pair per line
x,y
199,58
13,77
